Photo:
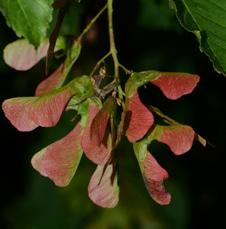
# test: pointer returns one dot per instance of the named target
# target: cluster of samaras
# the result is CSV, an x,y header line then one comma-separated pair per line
x,y
103,122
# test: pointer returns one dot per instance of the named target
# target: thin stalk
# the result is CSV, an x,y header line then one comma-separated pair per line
x,y
127,71
71,58
100,62
171,121
165,117
92,22
113,49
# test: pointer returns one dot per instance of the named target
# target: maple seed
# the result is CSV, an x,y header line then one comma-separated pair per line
x,y
60,160
100,122
175,85
27,113
139,119
179,138
99,154
52,82
22,56
102,191
154,175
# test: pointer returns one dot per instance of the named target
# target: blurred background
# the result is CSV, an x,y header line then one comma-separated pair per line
x,y
148,37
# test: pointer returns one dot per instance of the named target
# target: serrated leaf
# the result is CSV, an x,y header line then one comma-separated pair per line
x,y
27,18
59,161
207,20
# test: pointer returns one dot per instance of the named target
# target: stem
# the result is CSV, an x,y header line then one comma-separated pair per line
x,y
171,121
113,49
167,118
127,71
71,58
99,63
92,22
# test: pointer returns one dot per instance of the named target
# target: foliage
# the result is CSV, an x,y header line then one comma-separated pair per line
x,y
34,18
202,18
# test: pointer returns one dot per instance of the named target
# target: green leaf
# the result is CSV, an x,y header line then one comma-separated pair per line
x,y
207,20
27,18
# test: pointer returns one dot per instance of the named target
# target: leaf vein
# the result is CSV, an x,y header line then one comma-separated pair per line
x,y
25,15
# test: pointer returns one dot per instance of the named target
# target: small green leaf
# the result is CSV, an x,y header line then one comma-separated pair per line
x,y
207,20
27,18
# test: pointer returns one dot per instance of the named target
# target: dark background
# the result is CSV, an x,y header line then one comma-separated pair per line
x,y
148,37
